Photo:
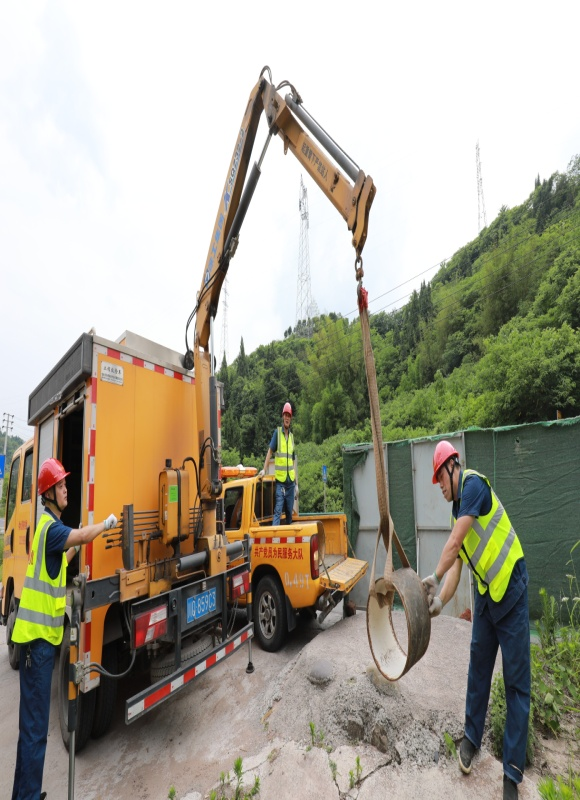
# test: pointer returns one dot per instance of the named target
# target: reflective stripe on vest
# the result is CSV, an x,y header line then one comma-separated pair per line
x,y
42,604
284,458
491,546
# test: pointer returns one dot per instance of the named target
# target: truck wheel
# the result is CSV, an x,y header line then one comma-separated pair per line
x,y
270,624
13,648
106,693
85,702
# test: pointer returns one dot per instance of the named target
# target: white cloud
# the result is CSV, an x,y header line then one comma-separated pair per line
x,y
118,121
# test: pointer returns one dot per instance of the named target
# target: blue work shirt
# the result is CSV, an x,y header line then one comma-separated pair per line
x,y
475,501
58,533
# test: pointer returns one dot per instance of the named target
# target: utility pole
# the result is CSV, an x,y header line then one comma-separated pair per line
x,y
306,308
480,200
7,424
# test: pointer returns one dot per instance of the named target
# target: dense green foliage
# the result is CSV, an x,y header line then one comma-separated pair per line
x,y
492,340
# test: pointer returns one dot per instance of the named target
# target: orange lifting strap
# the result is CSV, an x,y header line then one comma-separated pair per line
x,y
390,657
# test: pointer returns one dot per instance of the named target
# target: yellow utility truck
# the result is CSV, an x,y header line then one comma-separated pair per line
x,y
123,417
302,567
138,427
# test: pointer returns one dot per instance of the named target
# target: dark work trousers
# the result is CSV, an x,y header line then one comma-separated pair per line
x,y
284,501
36,665
512,634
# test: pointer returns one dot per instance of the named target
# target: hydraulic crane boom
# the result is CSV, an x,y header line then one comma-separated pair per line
x,y
342,181
352,195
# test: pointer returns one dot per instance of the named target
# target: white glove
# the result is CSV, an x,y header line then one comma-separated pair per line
x,y
110,522
435,607
261,473
431,585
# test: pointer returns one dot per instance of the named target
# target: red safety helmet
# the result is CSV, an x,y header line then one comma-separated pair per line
x,y
287,409
443,452
51,472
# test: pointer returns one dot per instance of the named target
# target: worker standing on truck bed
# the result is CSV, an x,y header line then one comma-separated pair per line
x,y
286,472
40,622
482,537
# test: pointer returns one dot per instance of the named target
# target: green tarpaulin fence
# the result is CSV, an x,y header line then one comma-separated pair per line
x,y
535,471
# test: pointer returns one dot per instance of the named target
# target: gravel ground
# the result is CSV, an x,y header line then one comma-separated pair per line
x,y
315,720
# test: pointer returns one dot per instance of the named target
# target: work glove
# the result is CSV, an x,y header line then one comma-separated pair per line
x,y
431,585
261,473
110,522
435,607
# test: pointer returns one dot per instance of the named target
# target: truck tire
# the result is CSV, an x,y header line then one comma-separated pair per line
x,y
165,665
270,626
85,703
106,693
13,648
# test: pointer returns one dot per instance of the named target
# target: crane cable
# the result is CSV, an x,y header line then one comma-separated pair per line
x,y
391,659
386,527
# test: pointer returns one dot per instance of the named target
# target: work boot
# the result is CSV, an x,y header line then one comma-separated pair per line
x,y
43,796
466,753
510,789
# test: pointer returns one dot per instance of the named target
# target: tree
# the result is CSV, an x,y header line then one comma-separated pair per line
x,y
529,374
242,361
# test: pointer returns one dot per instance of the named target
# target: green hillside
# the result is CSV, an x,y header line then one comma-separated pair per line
x,y
492,340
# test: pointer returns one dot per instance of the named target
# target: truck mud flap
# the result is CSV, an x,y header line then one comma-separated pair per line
x,y
154,695
344,575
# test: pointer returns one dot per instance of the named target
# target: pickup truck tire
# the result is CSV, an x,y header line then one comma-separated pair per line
x,y
106,693
270,625
85,702
13,648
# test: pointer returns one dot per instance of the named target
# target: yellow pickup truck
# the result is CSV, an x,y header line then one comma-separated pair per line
x,y
302,566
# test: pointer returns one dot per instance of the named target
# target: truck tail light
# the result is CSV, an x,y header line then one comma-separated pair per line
x,y
149,625
314,556
239,585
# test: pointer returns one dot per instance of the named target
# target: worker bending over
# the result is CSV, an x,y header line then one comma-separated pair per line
x,y
483,538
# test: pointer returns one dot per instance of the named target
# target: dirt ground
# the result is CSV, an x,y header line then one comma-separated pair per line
x,y
314,720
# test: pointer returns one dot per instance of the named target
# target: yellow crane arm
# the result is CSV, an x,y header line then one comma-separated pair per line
x,y
347,187
342,181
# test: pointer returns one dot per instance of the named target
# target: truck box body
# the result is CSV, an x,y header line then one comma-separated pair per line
x,y
121,417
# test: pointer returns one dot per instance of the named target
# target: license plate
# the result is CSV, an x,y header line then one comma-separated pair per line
x,y
201,604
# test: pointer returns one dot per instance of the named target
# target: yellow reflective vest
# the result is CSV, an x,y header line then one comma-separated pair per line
x,y
284,458
42,604
491,546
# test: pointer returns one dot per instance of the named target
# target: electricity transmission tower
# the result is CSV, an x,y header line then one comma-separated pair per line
x,y
306,308
224,302
480,201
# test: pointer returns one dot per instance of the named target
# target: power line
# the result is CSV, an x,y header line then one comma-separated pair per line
x,y
456,298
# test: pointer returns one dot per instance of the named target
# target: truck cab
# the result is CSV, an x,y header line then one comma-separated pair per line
x,y
302,567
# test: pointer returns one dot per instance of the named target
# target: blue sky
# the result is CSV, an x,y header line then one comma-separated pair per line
x,y
118,121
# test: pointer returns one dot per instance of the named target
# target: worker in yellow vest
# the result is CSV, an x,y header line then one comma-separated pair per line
x,y
483,538
282,448
39,624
